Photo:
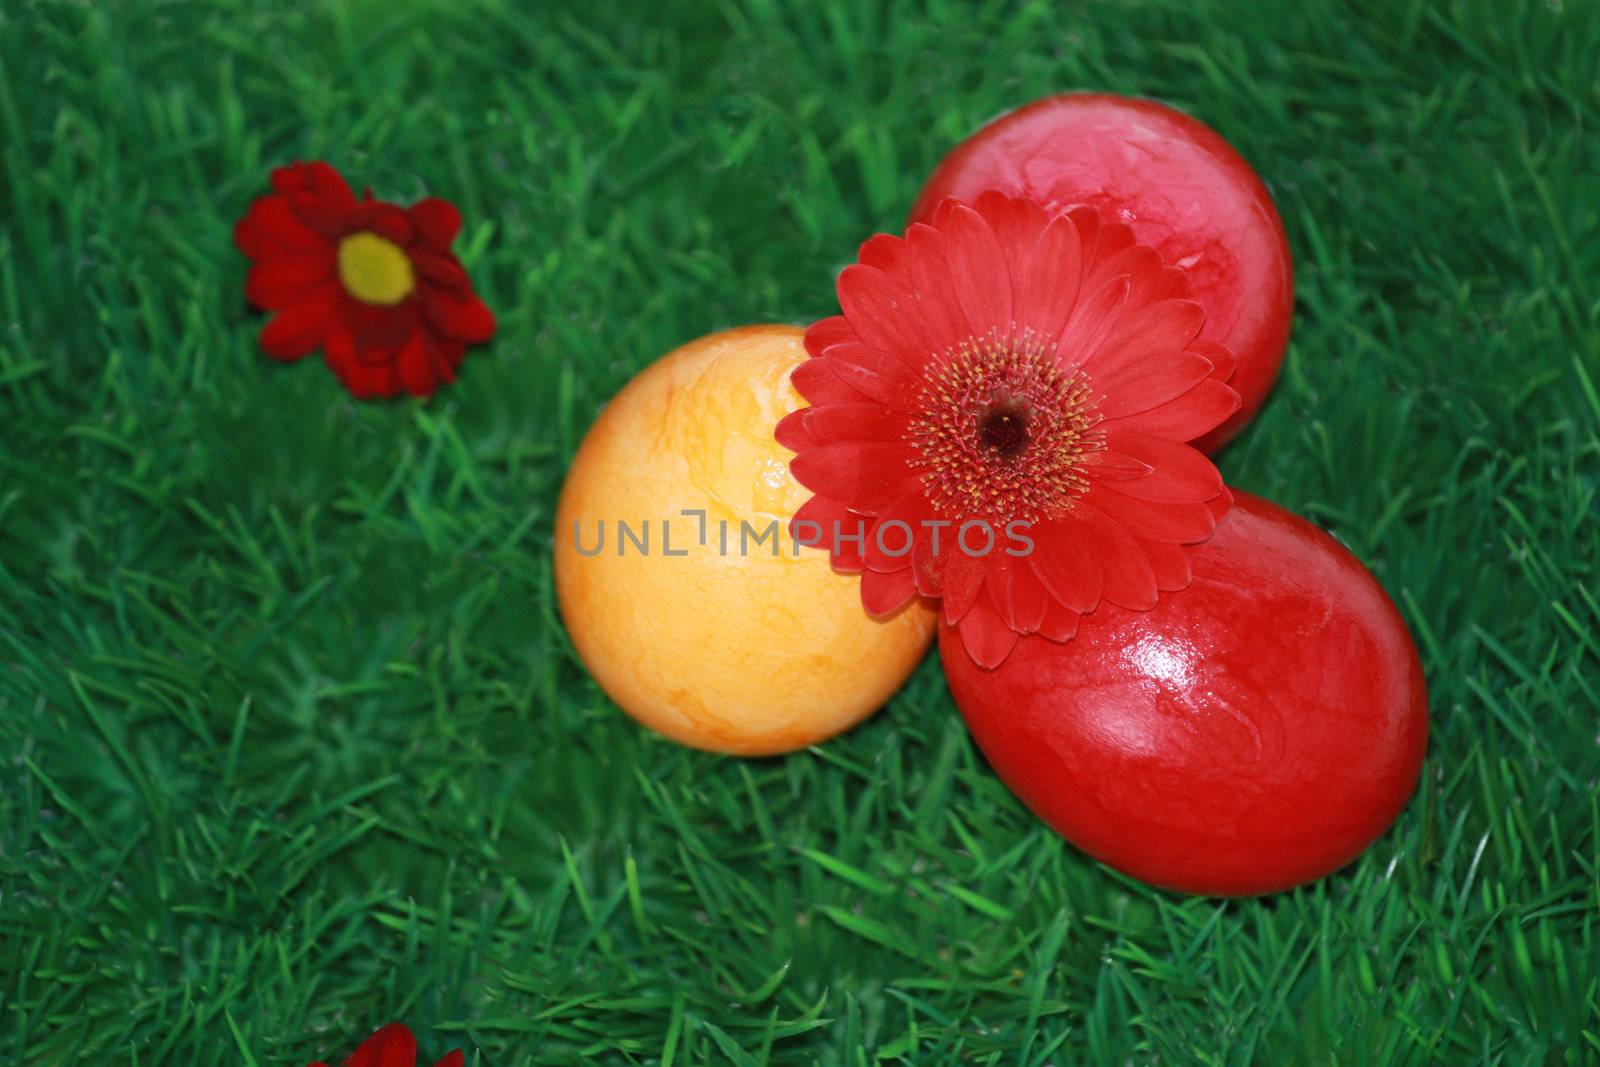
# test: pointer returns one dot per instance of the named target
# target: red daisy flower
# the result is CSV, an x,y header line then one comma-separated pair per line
x,y
392,1046
372,284
1000,418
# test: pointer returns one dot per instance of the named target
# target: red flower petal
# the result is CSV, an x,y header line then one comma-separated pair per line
x,y
1051,277
1142,386
1222,360
417,373
392,1046
827,332
440,268
437,222
886,315
367,374
885,592
858,422
316,178
846,469
456,316
270,227
963,582
1178,474
452,1059
837,381
1029,600
276,281
1063,558
1128,580
978,269
985,636
791,431
299,328
1184,418
1166,326
1060,623
1148,521
1170,564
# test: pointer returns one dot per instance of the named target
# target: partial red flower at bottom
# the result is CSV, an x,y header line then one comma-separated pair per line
x,y
374,285
392,1046
1001,417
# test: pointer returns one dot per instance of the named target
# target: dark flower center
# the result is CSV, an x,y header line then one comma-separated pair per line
x,y
1002,432
1003,428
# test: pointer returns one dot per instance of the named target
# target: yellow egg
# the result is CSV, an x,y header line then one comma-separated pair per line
x,y
713,628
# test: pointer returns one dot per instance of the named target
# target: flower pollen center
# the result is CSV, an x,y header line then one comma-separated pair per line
x,y
374,269
1003,428
1001,432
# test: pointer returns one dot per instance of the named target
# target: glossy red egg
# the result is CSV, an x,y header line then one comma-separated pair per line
x,y
1254,731
1177,183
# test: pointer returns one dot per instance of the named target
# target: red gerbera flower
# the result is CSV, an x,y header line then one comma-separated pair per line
x,y
392,1046
1006,380
372,284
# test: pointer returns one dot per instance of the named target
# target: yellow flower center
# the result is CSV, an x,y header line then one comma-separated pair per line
x,y
375,270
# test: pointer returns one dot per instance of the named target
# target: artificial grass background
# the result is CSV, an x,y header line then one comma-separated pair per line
x,y
293,742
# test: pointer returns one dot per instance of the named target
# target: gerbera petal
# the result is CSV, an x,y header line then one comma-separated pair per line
x,y
979,269
845,470
825,333
392,1046
1060,623
886,313
985,636
1170,564
895,372
1165,326
1128,580
1051,275
300,327
824,381
885,592
854,422
1178,474
1221,357
1143,385
963,582
1064,560
997,585
1029,600
276,281
437,222
1149,521
1093,317
1142,265
1016,221
884,252
452,1059
1184,418
813,522
1220,505
946,322
791,431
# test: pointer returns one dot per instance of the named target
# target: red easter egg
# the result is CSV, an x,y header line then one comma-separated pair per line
x,y
1177,183
1254,731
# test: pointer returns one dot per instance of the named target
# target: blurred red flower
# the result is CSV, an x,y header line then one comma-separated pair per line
x,y
372,284
392,1046
1001,370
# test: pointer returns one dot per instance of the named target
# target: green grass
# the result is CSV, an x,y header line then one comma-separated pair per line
x,y
293,742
